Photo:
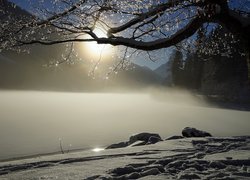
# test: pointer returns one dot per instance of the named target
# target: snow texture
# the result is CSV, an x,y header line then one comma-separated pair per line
x,y
186,158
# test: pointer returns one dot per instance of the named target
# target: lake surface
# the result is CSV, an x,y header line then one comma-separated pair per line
x,y
33,122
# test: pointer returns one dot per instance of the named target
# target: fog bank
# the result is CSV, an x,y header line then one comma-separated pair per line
x,y
32,122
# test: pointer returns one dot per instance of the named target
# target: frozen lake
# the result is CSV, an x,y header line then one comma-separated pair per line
x,y
33,122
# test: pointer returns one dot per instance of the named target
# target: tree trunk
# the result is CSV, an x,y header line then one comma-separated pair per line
x,y
248,63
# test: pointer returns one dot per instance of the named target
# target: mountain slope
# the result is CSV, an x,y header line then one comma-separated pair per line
x,y
165,71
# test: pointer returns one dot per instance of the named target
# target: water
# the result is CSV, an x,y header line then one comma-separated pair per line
x,y
33,122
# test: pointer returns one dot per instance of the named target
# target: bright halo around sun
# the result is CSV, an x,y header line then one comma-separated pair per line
x,y
97,149
97,51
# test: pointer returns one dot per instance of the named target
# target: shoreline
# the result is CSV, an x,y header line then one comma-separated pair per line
x,y
17,158
24,157
186,158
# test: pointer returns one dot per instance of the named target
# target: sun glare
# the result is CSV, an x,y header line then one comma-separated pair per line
x,y
98,149
94,50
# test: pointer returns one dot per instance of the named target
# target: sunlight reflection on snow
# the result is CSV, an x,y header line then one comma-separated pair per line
x,y
98,149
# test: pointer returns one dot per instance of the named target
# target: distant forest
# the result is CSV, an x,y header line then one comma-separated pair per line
x,y
225,73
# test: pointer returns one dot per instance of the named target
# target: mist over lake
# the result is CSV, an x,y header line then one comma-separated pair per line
x,y
33,122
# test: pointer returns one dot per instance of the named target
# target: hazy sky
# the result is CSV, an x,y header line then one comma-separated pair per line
x,y
161,56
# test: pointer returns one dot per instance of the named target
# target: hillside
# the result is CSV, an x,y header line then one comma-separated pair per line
x,y
165,72
17,74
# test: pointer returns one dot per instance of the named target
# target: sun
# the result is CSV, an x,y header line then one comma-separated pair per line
x,y
93,45
97,149
96,51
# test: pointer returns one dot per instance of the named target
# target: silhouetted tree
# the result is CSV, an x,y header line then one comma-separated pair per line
x,y
141,24
225,72
177,67
193,67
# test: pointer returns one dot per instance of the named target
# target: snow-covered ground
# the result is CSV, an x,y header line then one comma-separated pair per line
x,y
188,158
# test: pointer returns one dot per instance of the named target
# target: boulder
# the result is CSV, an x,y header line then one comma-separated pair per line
x,y
134,175
137,140
174,137
118,145
137,143
142,137
153,140
189,176
192,132
145,168
122,170
217,165
153,171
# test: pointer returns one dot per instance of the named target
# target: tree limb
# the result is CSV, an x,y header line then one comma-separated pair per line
x,y
180,35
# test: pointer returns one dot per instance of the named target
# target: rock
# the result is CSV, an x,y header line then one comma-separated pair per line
x,y
153,140
189,176
198,167
134,175
103,177
195,165
142,137
138,143
195,142
218,175
242,174
122,170
153,171
145,168
217,165
3,172
174,137
200,155
159,167
231,168
175,164
118,145
165,162
137,165
172,170
138,140
192,132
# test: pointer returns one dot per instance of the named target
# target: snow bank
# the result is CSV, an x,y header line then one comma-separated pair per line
x,y
186,158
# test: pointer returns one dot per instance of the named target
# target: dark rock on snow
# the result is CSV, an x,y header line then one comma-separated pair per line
x,y
217,165
192,132
152,166
138,140
153,171
189,176
174,137
118,145
153,140
123,170
138,143
134,175
142,137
